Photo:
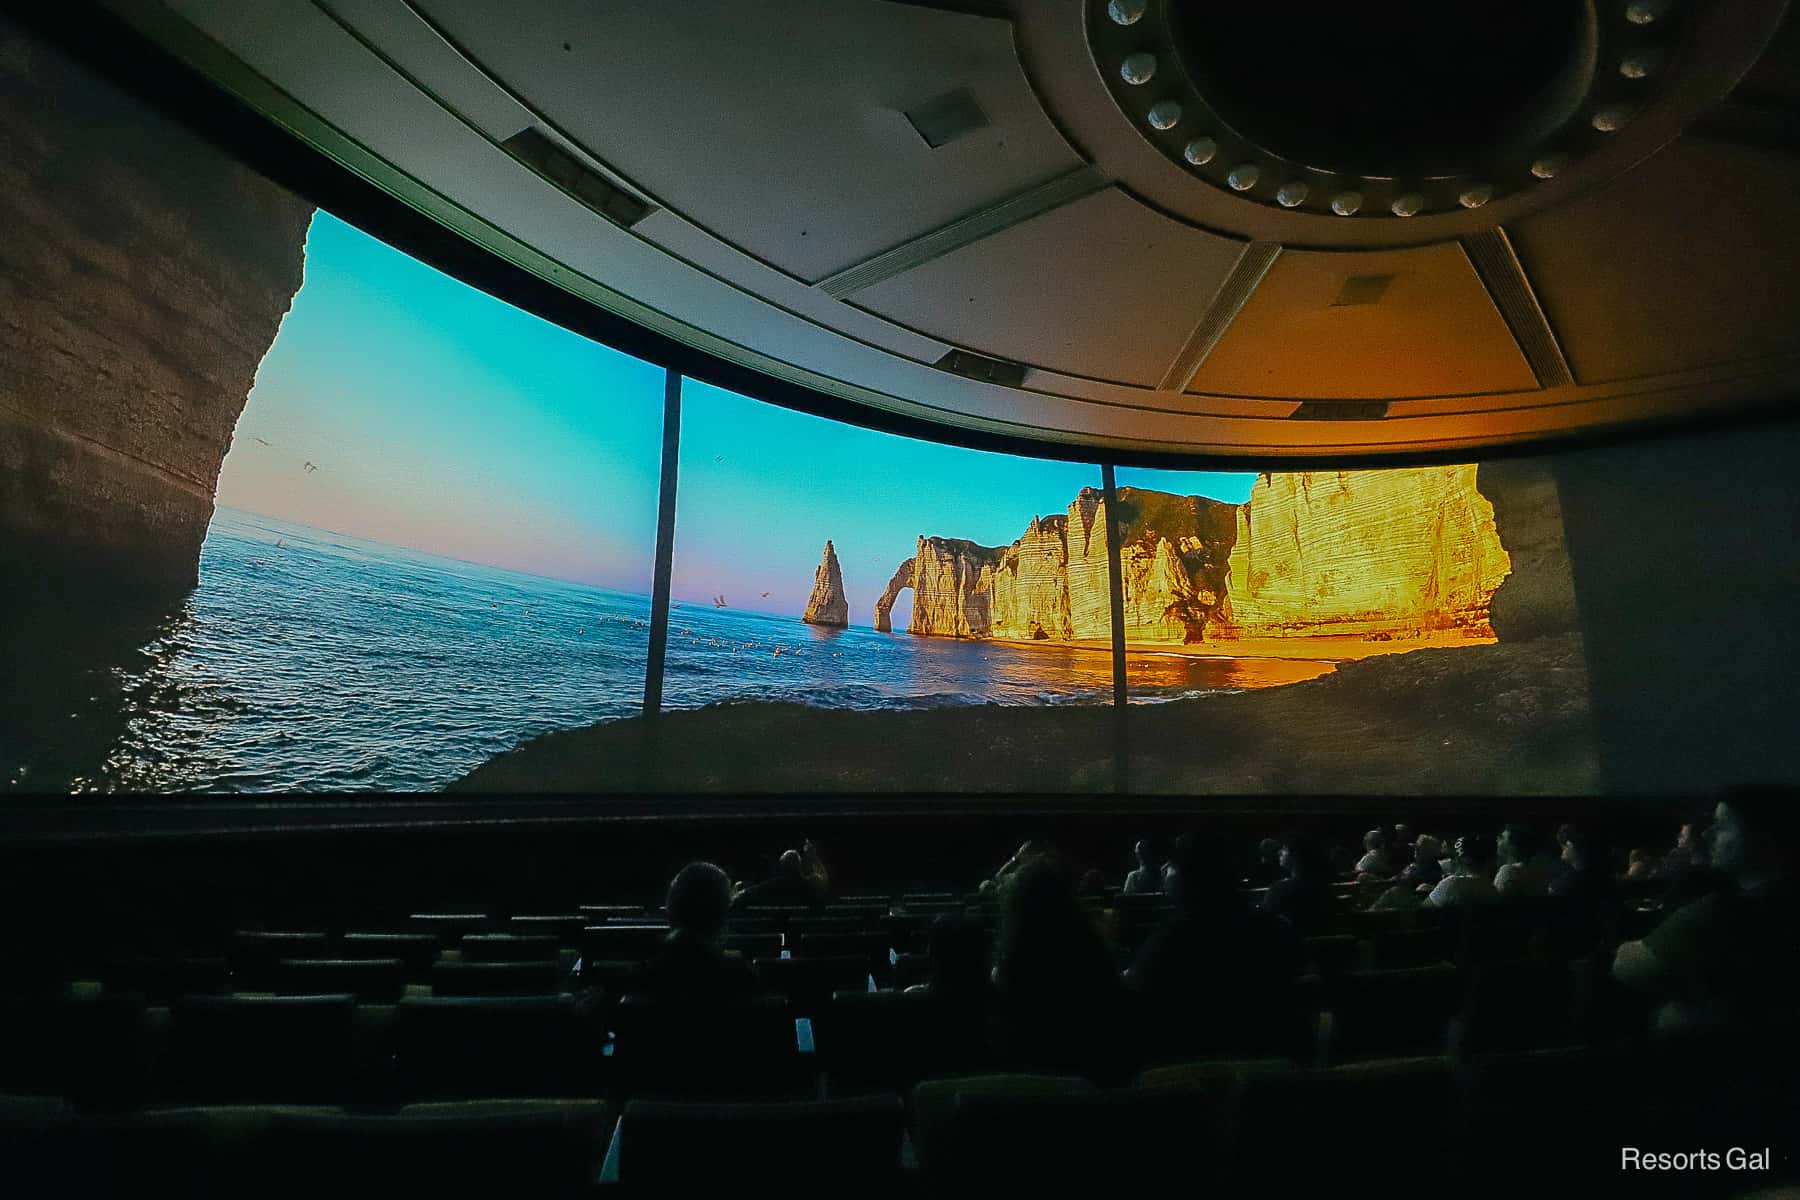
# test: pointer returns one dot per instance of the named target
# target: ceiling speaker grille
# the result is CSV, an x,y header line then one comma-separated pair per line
x,y
1491,254
1362,289
554,163
946,118
988,370
1227,302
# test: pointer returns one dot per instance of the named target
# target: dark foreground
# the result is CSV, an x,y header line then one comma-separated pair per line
x,y
1499,719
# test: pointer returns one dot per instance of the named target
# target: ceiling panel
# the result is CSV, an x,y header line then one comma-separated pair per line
x,y
1103,288
1686,261
1415,323
823,170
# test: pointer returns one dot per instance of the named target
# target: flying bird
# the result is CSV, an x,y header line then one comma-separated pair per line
x,y
309,468
259,441
765,595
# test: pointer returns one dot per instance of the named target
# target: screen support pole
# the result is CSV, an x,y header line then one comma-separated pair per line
x,y
665,544
1115,576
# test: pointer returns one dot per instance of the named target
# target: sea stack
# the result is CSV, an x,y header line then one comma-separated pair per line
x,y
826,605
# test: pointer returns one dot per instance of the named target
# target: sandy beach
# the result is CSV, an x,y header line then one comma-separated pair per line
x,y
1337,648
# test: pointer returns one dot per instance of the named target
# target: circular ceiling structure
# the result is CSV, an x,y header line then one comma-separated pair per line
x,y
1150,227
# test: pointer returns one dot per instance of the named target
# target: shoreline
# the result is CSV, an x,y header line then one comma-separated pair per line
x,y
1323,648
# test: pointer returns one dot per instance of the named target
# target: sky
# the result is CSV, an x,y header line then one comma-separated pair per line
x,y
400,405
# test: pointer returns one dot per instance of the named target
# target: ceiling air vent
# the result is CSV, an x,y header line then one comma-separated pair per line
x,y
1362,289
987,370
942,120
559,167
1340,410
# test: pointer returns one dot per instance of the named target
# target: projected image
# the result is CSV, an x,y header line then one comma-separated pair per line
x,y
432,539
1428,654
833,566
288,510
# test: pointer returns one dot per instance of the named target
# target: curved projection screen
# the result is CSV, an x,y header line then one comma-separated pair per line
x,y
293,512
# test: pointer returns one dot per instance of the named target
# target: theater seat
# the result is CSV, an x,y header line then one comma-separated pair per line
x,y
738,1050
1519,1005
809,982
163,980
754,945
249,1049
497,979
890,1040
1575,1107
1390,1013
482,1149
417,950
565,927
870,944
254,955
849,1147
1394,948
508,948
371,981
623,943
449,926
512,1046
1306,1133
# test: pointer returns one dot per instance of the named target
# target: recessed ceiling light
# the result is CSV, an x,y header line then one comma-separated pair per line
x,y
1200,151
1346,204
1291,194
1126,12
1137,68
1549,166
1475,196
1612,118
1165,114
1243,178
1407,205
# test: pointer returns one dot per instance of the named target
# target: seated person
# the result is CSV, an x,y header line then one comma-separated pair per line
x,y
1641,864
1374,864
1056,990
1303,898
790,886
1218,966
959,961
1718,962
1027,852
1146,877
813,867
1523,873
1267,868
1469,883
1414,883
693,965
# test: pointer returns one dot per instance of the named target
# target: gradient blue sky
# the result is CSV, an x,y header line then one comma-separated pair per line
x,y
438,418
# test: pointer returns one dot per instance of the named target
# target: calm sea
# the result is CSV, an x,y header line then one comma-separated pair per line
x,y
308,660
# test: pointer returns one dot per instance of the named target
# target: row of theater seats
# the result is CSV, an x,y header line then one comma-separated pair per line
x,y
1545,1123
821,1027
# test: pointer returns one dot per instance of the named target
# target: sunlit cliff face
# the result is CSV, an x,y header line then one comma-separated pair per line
x,y
1378,554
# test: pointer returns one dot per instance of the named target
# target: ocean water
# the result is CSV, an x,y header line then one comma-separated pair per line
x,y
314,661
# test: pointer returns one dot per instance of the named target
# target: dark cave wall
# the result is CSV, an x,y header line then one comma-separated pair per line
x,y
1687,573
143,275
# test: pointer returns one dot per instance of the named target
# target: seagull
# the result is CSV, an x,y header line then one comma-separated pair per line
x,y
765,595
718,458
260,442
309,468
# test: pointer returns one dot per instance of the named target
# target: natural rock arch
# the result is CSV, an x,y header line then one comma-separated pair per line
x,y
884,607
